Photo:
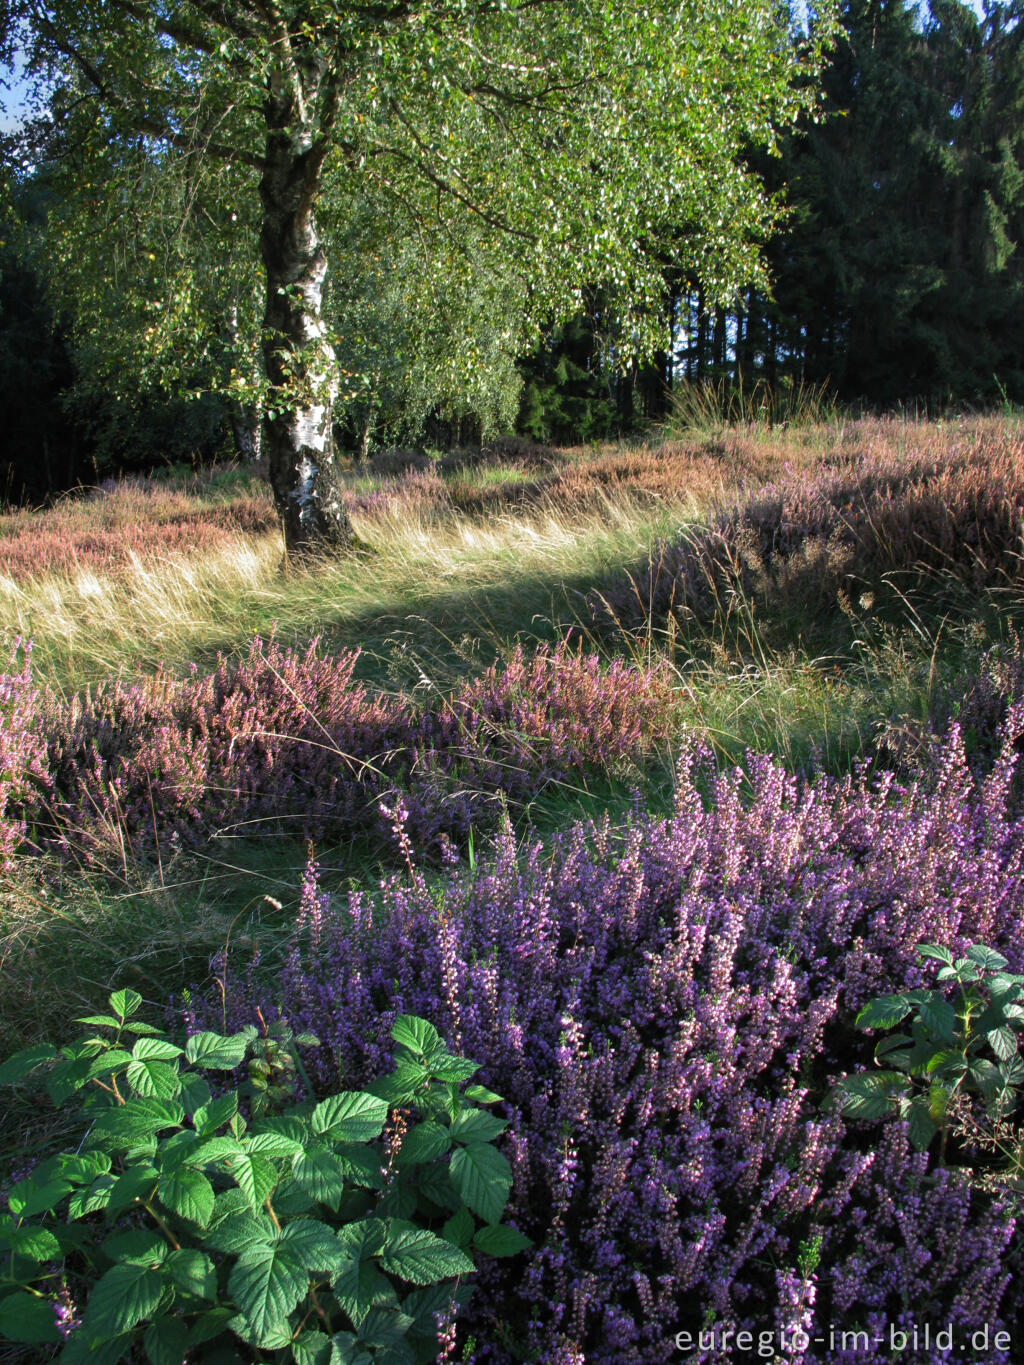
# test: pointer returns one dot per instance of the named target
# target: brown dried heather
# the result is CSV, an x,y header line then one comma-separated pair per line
x,y
132,520
893,504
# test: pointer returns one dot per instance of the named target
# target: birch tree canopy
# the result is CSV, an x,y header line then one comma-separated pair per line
x,y
584,140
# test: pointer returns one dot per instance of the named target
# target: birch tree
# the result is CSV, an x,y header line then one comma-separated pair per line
x,y
581,135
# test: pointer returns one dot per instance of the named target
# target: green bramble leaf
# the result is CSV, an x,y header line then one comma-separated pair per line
x,y
885,1012
28,1319
136,1184
421,1257
454,1069
193,1272
483,1178
31,1243
138,1247
187,1193
166,1341
939,1016
351,1116
210,1116
255,1176
936,951
267,1283
312,1348
869,1095
986,958
29,1197
460,1227
472,1125
425,1142
122,1298
481,1095
216,1052
501,1240
19,1066
417,1036
125,1003
921,1123
139,1118
1003,1042
153,1078
320,1174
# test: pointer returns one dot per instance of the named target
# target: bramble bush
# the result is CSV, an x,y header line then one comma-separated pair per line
x,y
665,1010
329,1233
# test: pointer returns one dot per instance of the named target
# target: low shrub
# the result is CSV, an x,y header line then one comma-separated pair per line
x,y
211,1223
665,1010
288,741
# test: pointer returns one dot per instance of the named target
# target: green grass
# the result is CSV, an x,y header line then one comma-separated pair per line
x,y
429,597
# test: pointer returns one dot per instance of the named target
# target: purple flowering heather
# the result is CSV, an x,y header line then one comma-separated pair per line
x,y
664,1009
24,777
289,741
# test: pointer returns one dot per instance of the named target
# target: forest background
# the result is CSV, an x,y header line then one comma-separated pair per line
x,y
897,278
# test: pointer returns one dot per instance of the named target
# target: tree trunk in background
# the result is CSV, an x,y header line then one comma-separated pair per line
x,y
246,433
301,367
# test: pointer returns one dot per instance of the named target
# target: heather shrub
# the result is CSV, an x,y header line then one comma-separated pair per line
x,y
848,527
24,776
288,741
665,1009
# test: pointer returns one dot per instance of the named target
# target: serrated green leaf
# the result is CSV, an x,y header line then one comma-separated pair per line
x,y
85,1348
472,1125
139,1118
138,1247
193,1272
360,1165
256,1177
351,1116
312,1348
922,1127
425,1305
345,1350
89,1198
82,1167
868,1096
154,1078
417,1036
359,1286
239,1232
425,1142
1003,1042
26,1318
209,1325
460,1227
885,1012
188,1193
936,951
99,1021
986,958
314,1242
320,1174
939,1016
267,1283
156,1050
125,1003
453,1069
404,1084
123,1297
166,1340
29,1197
272,1144
483,1178
208,1117
479,1094
137,1183
501,1240
32,1243
216,1052
19,1066
421,1257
